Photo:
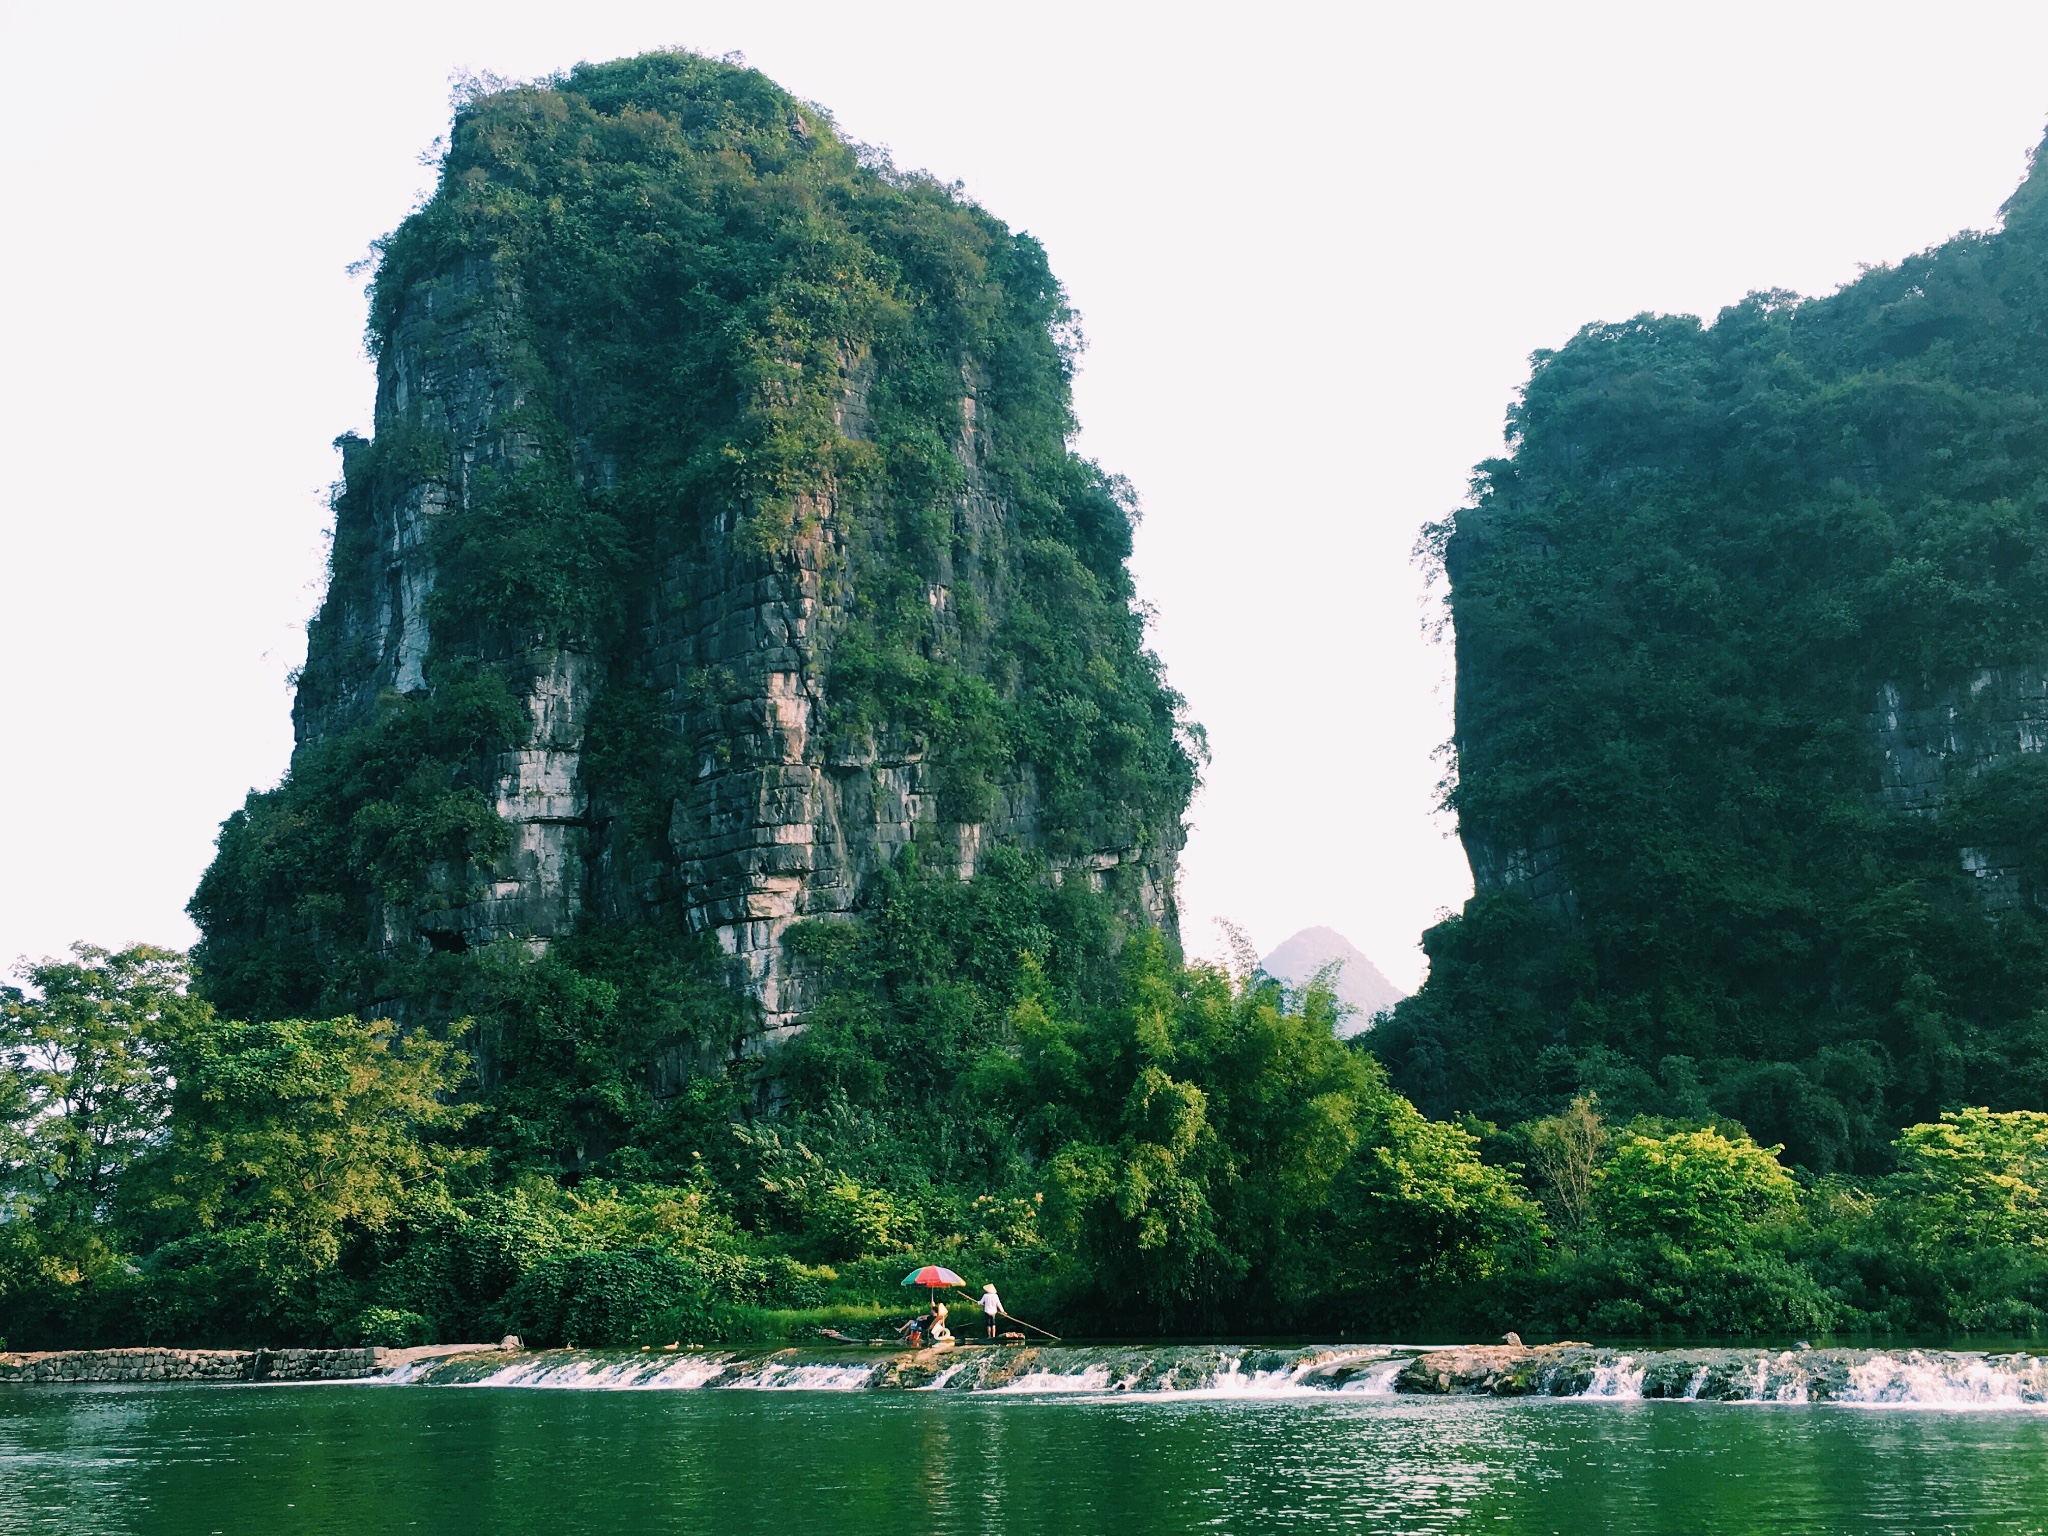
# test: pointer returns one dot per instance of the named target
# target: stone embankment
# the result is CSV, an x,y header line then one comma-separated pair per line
x,y
85,1365
192,1365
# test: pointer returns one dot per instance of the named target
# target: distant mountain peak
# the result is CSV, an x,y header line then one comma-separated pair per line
x,y
1359,983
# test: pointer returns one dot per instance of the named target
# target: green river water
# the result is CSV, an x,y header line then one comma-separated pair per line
x,y
300,1460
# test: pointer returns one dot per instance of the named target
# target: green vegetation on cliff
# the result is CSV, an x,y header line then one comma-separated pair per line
x,y
1752,633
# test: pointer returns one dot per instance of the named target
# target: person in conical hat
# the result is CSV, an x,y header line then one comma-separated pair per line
x,y
991,1306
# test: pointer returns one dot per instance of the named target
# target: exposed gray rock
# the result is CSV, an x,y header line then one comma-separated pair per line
x,y
1928,736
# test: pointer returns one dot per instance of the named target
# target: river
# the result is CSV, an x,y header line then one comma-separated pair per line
x,y
285,1460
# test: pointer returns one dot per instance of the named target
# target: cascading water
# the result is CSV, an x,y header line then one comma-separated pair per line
x,y
1621,1377
1874,1378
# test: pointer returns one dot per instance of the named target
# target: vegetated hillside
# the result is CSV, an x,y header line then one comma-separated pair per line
x,y
718,559
1752,649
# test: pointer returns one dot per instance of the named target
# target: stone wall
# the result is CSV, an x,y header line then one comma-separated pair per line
x,y
136,1365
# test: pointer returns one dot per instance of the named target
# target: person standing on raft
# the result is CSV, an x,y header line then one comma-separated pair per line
x,y
991,1306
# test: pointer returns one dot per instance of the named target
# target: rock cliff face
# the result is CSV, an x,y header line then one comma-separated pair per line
x,y
741,486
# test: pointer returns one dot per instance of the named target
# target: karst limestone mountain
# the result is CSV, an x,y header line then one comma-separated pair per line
x,y
719,541
1359,983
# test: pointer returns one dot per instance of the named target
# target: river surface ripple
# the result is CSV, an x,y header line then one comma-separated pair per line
x,y
239,1461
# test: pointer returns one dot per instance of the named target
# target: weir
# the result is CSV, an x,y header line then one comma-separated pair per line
x,y
1869,1377
1933,1378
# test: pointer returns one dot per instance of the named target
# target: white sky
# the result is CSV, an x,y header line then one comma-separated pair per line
x,y
1313,246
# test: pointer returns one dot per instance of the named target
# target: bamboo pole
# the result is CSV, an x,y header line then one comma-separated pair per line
x,y
1017,1320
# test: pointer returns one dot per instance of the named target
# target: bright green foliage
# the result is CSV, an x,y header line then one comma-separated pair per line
x,y
1977,1179
291,1146
601,1264
305,1128
82,1096
1191,1134
1684,1230
1677,602
81,1080
1565,1149
1419,1216
1698,1188
1145,1146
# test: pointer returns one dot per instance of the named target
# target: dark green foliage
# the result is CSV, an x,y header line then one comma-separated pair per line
x,y
529,562
701,267
717,327
614,1044
646,1295
1153,1146
1145,1147
1677,604
393,811
601,1298
723,325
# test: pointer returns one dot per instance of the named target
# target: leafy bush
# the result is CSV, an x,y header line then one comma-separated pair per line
x,y
597,1298
391,1328
1698,1188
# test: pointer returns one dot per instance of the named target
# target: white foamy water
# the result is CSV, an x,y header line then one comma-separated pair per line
x,y
1940,1379
1376,1380
777,1377
1094,1378
676,1373
1313,1375
1621,1377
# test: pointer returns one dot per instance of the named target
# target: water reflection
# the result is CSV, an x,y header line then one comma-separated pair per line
x,y
168,1461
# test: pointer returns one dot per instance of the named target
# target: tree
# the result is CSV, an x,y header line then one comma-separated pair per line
x,y
303,1128
1976,1178
83,1091
1191,1134
1698,1188
1418,1214
1565,1150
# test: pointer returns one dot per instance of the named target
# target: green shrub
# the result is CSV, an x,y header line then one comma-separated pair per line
x,y
391,1328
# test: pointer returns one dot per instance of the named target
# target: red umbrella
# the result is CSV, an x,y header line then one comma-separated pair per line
x,y
934,1278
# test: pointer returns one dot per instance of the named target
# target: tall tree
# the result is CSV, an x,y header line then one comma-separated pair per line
x,y
83,1090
